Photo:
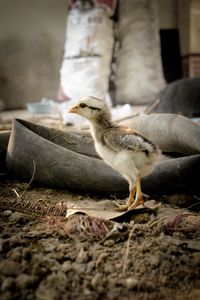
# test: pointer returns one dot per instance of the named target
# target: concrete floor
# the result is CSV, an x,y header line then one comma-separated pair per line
x,y
53,119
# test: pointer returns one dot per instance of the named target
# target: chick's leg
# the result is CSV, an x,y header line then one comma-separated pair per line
x,y
129,201
138,199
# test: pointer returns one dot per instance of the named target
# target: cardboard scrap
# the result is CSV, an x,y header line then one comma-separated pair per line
x,y
104,209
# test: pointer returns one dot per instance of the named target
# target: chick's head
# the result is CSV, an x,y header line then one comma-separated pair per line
x,y
90,108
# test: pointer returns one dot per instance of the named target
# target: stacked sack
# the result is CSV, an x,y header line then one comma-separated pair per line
x,y
139,74
88,52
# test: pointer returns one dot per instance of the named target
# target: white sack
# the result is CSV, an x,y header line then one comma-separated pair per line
x,y
88,52
139,74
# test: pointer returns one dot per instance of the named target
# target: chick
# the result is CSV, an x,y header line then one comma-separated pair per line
x,y
126,151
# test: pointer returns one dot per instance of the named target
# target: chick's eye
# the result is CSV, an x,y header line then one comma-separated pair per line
x,y
82,105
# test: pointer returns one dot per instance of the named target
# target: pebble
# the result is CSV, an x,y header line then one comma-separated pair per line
x,y
108,268
147,285
196,259
96,280
178,235
86,292
10,268
49,244
118,265
52,287
51,264
90,266
16,217
48,192
82,256
131,283
24,281
27,253
6,213
163,280
15,240
101,258
79,268
16,255
7,284
39,271
109,243
33,234
7,296
154,260
66,266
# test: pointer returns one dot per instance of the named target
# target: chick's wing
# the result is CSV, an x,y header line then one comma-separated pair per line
x,y
121,139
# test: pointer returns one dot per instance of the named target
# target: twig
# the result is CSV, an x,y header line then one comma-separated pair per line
x,y
153,223
16,193
151,107
172,224
32,177
192,205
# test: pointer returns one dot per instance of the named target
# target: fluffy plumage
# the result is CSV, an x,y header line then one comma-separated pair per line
x,y
126,151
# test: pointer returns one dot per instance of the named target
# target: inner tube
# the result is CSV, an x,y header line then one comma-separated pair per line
x,y
67,163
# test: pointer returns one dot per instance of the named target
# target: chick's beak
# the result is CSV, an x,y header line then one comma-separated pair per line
x,y
73,109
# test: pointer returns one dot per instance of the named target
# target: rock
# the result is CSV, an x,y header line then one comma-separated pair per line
x,y
33,234
163,279
154,260
96,280
131,283
86,292
79,268
49,244
39,271
15,255
109,243
9,268
24,281
90,266
26,252
16,217
101,258
48,264
145,285
196,259
5,245
52,287
47,293
7,296
108,268
82,256
7,284
6,213
66,266
15,240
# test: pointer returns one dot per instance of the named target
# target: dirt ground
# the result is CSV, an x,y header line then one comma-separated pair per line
x,y
152,255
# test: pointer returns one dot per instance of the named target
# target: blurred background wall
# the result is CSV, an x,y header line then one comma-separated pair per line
x,y
32,36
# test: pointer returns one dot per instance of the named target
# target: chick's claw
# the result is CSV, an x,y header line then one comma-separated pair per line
x,y
129,206
122,207
136,204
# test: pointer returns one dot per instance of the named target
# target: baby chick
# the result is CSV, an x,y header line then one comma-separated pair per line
x,y
126,151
